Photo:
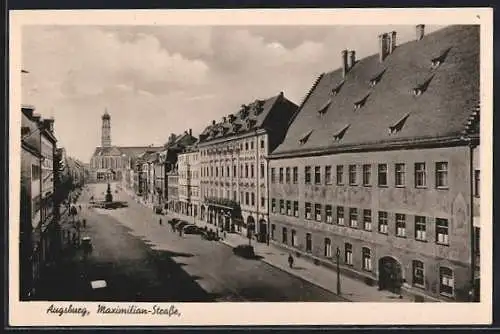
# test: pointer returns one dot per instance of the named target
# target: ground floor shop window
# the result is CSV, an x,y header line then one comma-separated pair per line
x,y
284,235
446,281
348,254
367,260
328,247
294,238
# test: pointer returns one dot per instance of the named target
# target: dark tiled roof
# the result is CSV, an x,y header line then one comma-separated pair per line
x,y
389,110
249,118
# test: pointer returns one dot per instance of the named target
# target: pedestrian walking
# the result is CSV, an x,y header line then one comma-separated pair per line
x,y
160,222
290,260
84,221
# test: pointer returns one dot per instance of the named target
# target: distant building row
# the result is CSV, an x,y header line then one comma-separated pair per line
x,y
47,177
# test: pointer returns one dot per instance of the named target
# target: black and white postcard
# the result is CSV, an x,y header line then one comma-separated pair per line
x,y
251,167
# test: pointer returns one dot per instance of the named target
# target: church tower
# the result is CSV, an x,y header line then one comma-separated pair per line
x,y
106,130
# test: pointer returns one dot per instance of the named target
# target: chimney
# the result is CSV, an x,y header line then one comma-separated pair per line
x,y
49,124
351,60
213,122
191,132
382,39
224,119
420,30
392,45
344,62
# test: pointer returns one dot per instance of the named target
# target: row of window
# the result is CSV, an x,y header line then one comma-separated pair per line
x,y
246,170
446,286
319,175
248,145
291,208
191,191
191,174
246,198
107,162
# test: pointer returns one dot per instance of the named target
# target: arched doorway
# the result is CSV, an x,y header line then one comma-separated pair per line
x,y
262,230
390,274
250,226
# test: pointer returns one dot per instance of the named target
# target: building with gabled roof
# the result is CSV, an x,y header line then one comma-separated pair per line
x,y
380,165
233,166
113,163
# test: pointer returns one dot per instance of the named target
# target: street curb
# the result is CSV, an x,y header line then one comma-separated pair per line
x,y
263,259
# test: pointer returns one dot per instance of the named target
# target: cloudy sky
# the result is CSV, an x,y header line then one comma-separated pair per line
x,y
157,80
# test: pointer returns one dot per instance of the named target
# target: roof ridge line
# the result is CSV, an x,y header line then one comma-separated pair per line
x,y
304,100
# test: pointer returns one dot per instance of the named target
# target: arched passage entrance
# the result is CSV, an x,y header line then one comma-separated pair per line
x,y
262,230
390,274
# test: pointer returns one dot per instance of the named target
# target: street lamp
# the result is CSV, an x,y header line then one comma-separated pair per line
x,y
338,271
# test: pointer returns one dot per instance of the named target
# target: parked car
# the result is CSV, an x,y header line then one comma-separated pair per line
x,y
209,235
173,221
191,229
181,224
245,251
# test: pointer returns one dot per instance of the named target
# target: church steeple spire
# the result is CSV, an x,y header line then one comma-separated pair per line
x,y
106,129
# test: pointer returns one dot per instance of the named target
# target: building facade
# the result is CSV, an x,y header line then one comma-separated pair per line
x,y
377,167
189,181
233,177
173,203
38,224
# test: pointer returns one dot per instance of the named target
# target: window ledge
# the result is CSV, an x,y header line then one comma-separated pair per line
x,y
420,187
367,185
444,294
383,186
401,236
442,244
421,240
443,188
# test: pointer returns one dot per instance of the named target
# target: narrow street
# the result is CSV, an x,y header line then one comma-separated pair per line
x,y
143,261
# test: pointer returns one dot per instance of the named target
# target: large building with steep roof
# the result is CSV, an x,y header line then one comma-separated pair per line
x,y
233,167
112,163
380,166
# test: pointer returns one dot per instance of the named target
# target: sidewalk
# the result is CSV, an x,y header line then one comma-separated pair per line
x,y
351,289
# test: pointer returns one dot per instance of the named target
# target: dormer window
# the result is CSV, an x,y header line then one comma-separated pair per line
x,y
25,131
336,90
340,134
395,128
305,137
258,107
244,111
436,62
420,89
359,104
375,80
250,122
236,127
324,107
